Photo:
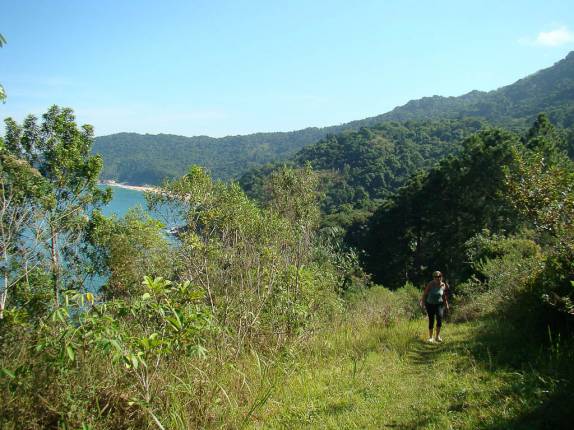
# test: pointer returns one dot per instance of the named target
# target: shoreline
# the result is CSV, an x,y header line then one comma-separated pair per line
x,y
145,188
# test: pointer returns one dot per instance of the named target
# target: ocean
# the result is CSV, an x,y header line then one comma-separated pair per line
x,y
123,199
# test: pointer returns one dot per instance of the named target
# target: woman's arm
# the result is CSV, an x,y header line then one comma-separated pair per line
x,y
446,291
425,292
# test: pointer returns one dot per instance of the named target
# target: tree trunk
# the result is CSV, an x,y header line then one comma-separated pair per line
x,y
3,295
55,267
4,288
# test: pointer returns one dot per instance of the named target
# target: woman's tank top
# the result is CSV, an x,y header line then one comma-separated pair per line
x,y
435,295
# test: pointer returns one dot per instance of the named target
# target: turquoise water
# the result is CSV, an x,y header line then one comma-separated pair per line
x,y
122,200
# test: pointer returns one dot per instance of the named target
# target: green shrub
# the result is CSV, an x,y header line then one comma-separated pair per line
x,y
505,270
407,300
381,306
134,341
129,248
555,286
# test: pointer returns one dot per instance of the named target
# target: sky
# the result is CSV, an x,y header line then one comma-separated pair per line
x,y
217,68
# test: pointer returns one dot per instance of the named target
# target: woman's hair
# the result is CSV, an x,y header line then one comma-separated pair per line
x,y
436,274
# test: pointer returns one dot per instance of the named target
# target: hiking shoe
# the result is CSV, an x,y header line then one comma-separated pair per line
x,y
430,340
439,339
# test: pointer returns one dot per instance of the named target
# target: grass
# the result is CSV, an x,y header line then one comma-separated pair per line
x,y
362,375
371,368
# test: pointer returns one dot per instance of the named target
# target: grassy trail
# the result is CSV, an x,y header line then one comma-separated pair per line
x,y
363,377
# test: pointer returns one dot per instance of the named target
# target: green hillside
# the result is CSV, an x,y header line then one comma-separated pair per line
x,y
514,106
138,159
147,159
361,168
430,221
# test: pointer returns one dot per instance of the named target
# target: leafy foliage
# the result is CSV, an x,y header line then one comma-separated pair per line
x,y
60,152
242,278
165,323
504,272
542,189
24,194
255,264
359,170
427,223
128,249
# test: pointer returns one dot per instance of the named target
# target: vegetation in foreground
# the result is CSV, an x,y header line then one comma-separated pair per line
x,y
372,372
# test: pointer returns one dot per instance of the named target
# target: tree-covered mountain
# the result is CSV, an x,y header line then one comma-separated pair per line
x,y
550,90
138,159
361,168
500,183
147,159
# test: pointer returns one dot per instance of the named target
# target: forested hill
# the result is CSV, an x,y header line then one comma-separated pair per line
x,y
549,90
139,159
147,159
361,168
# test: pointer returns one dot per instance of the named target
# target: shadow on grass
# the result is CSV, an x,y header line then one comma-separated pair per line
x,y
419,423
425,353
541,370
338,407
547,386
554,412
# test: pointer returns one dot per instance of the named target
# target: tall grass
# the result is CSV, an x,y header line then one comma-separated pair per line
x,y
367,367
374,372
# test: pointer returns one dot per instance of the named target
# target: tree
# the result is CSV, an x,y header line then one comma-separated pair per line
x,y
541,187
23,193
61,152
426,224
129,249
254,263
541,184
292,193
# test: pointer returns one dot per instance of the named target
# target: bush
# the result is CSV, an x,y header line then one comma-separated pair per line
x,y
505,269
384,307
407,300
87,355
128,249
555,286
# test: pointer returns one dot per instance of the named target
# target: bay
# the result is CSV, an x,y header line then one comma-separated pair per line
x,y
123,199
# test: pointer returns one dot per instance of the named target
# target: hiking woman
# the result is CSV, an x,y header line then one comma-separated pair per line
x,y
435,299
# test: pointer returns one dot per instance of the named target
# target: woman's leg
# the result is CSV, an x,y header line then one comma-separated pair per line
x,y
431,310
439,316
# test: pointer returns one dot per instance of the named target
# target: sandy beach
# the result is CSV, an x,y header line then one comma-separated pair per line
x,y
112,183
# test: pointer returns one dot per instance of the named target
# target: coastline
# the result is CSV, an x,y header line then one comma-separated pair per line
x,y
145,188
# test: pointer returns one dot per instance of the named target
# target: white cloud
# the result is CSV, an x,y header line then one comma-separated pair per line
x,y
557,37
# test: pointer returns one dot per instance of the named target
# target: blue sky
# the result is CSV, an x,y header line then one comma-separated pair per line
x,y
236,67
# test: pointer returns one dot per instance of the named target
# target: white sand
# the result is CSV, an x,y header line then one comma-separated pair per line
x,y
111,183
